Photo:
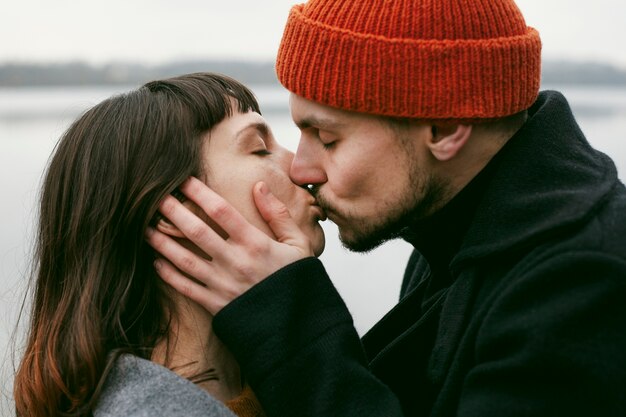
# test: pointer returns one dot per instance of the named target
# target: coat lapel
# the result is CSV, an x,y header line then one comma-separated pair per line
x,y
399,346
411,351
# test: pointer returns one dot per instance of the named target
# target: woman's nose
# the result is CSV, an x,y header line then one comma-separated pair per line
x,y
285,158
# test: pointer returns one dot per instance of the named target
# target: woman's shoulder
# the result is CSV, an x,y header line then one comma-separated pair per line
x,y
137,387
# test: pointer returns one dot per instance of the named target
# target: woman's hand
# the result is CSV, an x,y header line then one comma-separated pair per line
x,y
243,259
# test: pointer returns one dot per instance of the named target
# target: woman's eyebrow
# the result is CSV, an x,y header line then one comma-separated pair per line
x,y
261,127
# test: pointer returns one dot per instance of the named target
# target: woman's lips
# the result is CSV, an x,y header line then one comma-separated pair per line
x,y
321,214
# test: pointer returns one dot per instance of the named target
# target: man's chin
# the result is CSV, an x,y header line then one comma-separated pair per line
x,y
362,244
366,237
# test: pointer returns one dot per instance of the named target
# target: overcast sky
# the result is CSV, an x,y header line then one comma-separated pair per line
x,y
156,31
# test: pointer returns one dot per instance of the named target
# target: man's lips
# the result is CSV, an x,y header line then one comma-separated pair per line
x,y
322,215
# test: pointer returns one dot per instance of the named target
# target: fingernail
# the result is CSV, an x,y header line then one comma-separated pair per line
x,y
263,189
157,264
149,231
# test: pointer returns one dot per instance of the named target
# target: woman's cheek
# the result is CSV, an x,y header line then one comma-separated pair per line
x,y
279,184
237,190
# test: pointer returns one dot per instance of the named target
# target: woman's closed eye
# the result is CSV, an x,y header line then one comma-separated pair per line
x,y
255,144
262,152
260,146
255,139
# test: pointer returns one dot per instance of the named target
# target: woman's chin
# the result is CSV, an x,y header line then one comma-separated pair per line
x,y
318,242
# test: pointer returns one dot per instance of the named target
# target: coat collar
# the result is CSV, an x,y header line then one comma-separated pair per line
x,y
546,178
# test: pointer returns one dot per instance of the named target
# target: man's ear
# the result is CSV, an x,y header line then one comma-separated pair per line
x,y
447,140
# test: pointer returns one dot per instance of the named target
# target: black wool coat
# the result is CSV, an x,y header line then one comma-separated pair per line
x,y
533,323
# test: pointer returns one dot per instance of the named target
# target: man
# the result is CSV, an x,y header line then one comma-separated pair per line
x,y
422,120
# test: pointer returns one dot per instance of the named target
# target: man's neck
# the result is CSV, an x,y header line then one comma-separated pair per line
x,y
439,236
482,146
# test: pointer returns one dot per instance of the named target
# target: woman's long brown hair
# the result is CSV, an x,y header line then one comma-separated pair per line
x,y
95,292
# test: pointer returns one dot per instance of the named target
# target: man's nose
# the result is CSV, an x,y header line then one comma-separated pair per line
x,y
307,166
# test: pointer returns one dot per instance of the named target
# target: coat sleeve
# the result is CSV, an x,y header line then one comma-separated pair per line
x,y
296,344
553,343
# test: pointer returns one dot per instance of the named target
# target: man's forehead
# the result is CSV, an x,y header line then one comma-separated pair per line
x,y
307,113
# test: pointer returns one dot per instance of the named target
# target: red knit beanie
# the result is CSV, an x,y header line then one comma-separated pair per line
x,y
428,59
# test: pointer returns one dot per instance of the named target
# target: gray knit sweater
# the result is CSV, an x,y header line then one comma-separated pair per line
x,y
139,388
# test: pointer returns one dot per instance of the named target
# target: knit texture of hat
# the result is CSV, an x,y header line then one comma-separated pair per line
x,y
429,59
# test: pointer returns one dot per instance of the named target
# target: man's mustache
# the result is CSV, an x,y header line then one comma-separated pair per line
x,y
314,190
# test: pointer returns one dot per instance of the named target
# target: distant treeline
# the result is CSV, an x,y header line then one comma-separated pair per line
x,y
79,73
590,73
255,73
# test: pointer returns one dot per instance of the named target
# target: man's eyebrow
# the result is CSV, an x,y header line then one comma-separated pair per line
x,y
261,127
318,123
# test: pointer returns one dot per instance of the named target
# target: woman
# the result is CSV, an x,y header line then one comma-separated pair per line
x,y
107,337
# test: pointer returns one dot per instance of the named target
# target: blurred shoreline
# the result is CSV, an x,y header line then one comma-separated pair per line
x,y
24,74
128,74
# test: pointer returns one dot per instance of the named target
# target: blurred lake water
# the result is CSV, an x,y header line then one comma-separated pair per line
x,y
32,120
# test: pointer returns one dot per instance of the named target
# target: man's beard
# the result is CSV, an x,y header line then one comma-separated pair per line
x,y
423,197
